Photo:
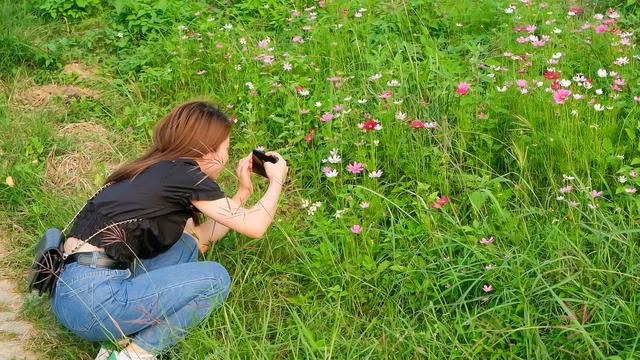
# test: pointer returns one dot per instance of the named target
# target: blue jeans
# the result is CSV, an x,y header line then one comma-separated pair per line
x,y
155,303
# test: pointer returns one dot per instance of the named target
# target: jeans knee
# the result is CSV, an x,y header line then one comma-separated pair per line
x,y
221,280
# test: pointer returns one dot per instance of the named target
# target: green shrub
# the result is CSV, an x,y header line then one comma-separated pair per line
x,y
148,18
70,8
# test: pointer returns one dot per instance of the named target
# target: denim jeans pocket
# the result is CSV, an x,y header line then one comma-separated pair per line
x,y
74,305
80,294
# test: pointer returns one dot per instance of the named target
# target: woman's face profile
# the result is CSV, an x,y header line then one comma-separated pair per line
x,y
213,162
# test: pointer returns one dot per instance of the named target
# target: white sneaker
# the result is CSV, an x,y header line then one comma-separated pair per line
x,y
105,354
126,355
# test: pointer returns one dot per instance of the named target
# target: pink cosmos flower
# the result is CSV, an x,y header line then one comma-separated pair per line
x,y
355,167
463,88
561,96
264,43
440,202
595,193
287,66
575,10
326,117
486,241
601,28
385,94
631,190
566,189
364,204
356,229
522,83
298,39
329,172
636,99
487,288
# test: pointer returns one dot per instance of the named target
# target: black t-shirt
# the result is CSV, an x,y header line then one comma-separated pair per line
x,y
160,196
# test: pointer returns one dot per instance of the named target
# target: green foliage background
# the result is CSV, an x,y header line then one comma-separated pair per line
x,y
565,276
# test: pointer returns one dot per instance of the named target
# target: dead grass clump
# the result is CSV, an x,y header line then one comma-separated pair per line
x,y
84,72
40,95
73,170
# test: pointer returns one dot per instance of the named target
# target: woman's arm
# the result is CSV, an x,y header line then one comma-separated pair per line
x,y
231,213
252,222
212,231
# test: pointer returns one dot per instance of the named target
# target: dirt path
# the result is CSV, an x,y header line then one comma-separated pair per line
x,y
13,331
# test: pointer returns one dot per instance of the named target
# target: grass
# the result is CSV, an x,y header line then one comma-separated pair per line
x,y
563,268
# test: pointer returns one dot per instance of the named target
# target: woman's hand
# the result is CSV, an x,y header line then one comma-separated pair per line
x,y
243,170
276,172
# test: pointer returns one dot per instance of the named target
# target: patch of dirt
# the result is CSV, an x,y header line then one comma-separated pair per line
x,y
84,72
40,95
72,170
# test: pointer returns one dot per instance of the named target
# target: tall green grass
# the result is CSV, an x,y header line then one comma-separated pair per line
x,y
564,276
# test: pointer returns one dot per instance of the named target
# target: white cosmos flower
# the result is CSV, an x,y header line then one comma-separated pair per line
x,y
375,174
565,83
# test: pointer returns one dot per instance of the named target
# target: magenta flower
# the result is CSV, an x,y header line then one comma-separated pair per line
x,y
486,241
561,96
487,288
355,167
463,88
417,124
440,202
370,125
356,229
601,28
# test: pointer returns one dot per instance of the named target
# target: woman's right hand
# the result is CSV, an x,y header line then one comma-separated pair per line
x,y
276,172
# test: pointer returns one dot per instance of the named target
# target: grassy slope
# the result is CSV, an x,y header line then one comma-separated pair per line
x,y
566,279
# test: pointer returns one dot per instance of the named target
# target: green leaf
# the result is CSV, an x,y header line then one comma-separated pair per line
x,y
478,198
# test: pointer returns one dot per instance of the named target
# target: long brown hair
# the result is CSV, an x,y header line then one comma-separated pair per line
x,y
191,129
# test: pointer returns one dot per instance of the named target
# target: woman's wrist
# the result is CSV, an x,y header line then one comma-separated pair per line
x,y
243,194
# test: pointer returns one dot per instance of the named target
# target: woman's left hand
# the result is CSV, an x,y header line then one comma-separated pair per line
x,y
243,170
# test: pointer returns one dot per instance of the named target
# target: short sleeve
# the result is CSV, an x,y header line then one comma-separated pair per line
x,y
185,182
